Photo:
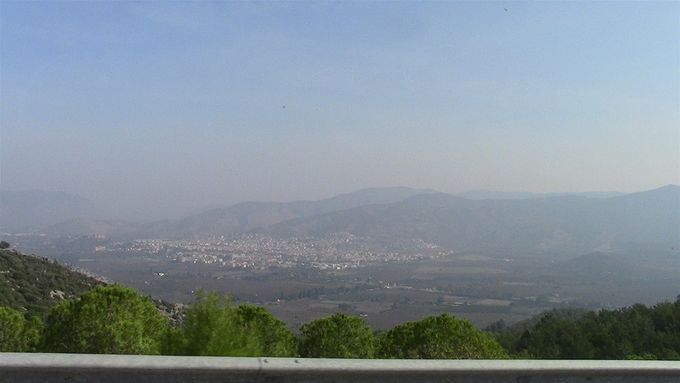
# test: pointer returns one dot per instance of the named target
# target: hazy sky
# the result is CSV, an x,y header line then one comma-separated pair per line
x,y
149,106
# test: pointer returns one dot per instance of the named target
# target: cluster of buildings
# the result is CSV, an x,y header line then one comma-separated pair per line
x,y
260,252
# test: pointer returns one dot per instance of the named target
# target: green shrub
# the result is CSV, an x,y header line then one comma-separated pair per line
x,y
105,320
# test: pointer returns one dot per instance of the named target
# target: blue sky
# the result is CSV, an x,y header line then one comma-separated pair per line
x,y
153,106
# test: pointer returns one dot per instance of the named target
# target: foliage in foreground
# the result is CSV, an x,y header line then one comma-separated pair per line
x,y
212,326
115,319
635,332
439,337
274,338
17,333
337,336
105,320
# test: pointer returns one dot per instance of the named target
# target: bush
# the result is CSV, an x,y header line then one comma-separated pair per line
x,y
105,320
337,336
213,327
16,333
274,338
439,337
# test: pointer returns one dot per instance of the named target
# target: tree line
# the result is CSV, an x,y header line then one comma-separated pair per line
x,y
113,319
634,332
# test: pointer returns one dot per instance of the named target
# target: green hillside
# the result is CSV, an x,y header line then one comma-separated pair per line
x,y
34,284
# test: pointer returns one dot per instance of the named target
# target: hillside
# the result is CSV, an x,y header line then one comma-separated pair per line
x,y
34,284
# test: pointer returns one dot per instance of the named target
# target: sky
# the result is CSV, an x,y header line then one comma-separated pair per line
x,y
150,108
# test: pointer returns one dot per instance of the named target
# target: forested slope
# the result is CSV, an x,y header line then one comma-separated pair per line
x,y
34,284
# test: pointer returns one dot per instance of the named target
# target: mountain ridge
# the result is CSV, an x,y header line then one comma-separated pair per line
x,y
575,224
572,223
246,216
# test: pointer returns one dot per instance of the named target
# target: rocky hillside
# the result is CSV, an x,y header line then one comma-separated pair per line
x,y
34,284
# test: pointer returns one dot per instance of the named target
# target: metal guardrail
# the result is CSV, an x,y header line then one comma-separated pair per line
x,y
22,367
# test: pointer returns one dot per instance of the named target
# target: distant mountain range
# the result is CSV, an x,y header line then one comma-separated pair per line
x,y
246,216
573,224
529,223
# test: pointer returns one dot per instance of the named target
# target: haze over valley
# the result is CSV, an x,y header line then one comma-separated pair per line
x,y
389,254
